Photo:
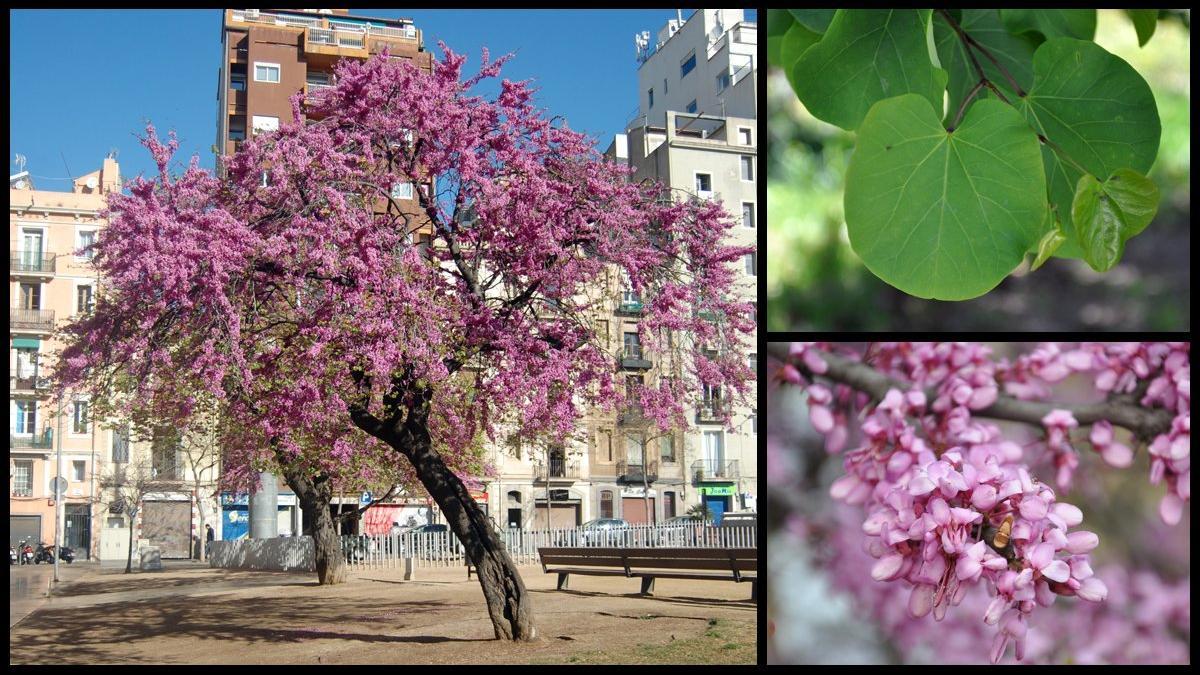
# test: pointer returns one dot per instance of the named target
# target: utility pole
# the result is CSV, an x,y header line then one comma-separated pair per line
x,y
57,484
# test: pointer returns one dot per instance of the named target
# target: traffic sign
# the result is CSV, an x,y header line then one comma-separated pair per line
x,y
366,498
58,485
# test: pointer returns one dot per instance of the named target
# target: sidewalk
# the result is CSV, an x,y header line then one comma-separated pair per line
x,y
30,585
214,616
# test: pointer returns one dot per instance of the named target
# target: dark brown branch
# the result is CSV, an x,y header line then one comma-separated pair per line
x,y
963,107
970,54
1121,410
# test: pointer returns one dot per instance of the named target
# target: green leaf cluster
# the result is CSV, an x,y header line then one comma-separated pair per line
x,y
983,136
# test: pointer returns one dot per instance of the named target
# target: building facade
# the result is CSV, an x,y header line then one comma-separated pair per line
x,y
49,284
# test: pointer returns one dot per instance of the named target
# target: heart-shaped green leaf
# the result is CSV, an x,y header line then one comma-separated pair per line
x,y
1014,52
795,42
866,56
1108,214
1052,23
1144,22
938,214
1098,110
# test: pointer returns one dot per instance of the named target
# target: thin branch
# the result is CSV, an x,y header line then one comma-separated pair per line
x,y
1123,411
971,55
1008,76
963,107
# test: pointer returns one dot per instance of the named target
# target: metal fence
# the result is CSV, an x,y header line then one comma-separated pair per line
x,y
442,549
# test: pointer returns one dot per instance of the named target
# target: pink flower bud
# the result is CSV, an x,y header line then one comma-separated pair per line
x,y
982,398
1082,541
984,497
819,394
1171,509
842,486
1102,433
1117,455
1033,508
1070,514
1092,590
814,362
822,419
920,601
887,567
920,485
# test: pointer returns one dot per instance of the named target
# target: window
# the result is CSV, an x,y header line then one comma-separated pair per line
x,y
745,136
120,448
602,332
704,183
754,362
237,128
77,470
712,395
606,504
84,239
687,65
665,90
79,417
26,416
650,96
714,453
748,215
31,296
691,107
754,421
666,448
635,448
83,299
668,504
237,81
266,180
633,348
633,385
606,445
751,266
316,78
22,478
722,82
264,123
266,72
27,363
402,191
747,168
754,311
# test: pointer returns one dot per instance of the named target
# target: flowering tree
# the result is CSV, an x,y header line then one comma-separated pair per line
x,y
953,510
302,303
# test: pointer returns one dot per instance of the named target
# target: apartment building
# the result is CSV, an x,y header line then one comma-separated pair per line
x,y
49,284
696,131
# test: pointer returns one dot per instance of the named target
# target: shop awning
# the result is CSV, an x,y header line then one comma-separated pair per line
x,y
26,343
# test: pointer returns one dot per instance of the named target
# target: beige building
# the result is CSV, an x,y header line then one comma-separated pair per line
x,y
50,283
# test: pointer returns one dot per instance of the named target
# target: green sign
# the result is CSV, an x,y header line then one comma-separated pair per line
x,y
718,490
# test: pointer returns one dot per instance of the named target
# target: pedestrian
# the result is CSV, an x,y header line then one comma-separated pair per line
x,y
208,538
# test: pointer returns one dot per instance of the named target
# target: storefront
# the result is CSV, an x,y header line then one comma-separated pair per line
x,y
235,516
718,498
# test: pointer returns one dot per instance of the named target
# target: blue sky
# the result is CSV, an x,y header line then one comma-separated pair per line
x,y
85,81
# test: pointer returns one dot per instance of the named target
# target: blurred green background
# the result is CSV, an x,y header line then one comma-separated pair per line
x,y
816,282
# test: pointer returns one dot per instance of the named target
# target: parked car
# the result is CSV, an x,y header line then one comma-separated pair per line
x,y
739,519
682,520
436,528
604,532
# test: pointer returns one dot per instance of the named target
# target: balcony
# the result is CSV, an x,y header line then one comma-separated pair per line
x,y
714,470
29,385
40,320
711,410
42,442
28,263
631,305
560,472
637,473
633,359
337,43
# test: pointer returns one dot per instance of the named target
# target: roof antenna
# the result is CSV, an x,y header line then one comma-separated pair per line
x,y
112,154
64,159
20,162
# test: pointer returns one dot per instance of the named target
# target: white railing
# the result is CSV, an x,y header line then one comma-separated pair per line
x,y
407,32
442,549
340,38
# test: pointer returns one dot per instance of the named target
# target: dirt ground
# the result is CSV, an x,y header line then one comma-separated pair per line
x,y
224,616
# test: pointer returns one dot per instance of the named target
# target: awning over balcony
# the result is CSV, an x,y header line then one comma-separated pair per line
x,y
26,343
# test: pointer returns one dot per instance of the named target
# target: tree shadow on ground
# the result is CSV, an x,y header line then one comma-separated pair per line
x,y
681,600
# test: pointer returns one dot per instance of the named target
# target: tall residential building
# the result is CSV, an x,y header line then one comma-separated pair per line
x,y
696,131
267,56
50,283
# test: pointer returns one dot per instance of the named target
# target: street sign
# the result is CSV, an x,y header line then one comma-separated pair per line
x,y
365,499
58,485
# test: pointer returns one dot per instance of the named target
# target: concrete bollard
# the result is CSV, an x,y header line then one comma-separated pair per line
x,y
408,569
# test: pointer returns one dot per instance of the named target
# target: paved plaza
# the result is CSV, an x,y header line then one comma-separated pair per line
x,y
201,615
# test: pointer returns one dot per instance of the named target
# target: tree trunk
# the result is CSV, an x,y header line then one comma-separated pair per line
x,y
314,495
129,553
508,603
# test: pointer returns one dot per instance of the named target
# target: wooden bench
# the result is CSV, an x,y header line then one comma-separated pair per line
x,y
730,564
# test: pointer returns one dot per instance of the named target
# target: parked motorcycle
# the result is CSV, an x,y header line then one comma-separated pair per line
x,y
44,554
12,555
26,553
65,553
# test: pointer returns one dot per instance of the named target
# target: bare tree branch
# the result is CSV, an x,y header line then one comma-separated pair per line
x,y
1121,410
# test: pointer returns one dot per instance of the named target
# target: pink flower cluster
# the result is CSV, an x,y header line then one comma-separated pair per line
x,y
950,504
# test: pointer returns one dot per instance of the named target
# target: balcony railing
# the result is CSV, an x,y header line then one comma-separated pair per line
x,y
336,38
31,383
43,441
31,319
557,471
630,305
637,472
708,470
711,410
632,357
27,262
